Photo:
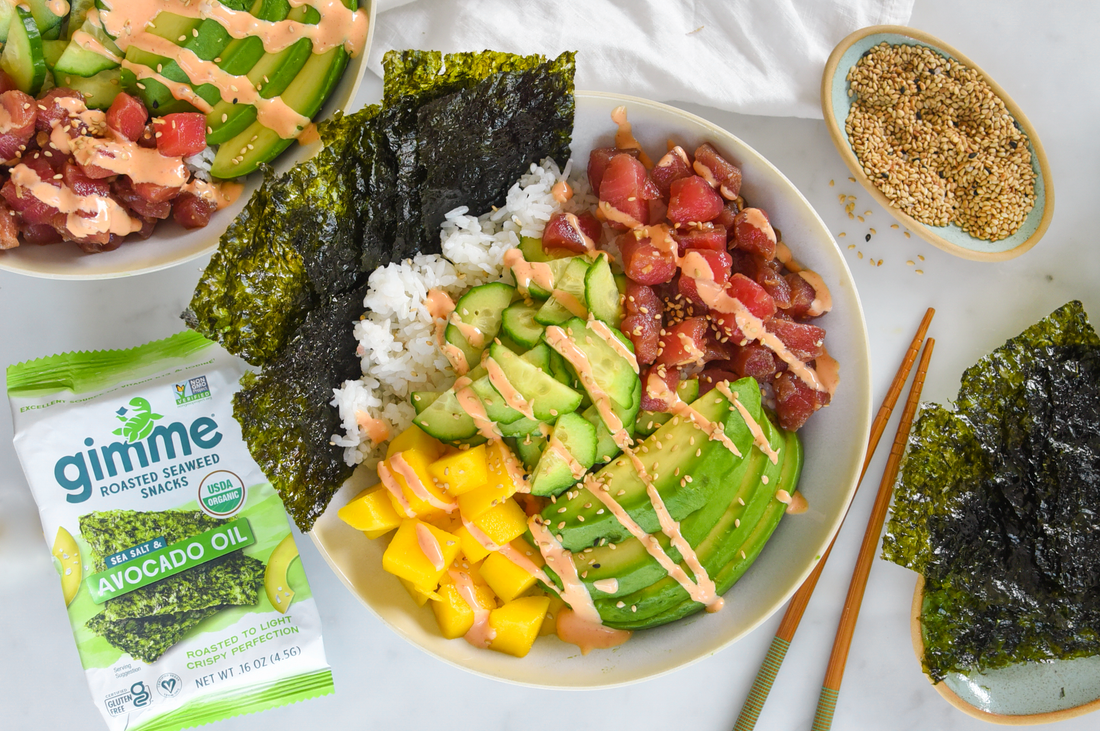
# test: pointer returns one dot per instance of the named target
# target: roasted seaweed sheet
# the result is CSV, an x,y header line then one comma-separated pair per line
x,y
146,622
998,505
452,130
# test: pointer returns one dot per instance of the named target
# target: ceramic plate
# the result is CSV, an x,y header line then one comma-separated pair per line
x,y
171,244
836,105
1019,695
834,439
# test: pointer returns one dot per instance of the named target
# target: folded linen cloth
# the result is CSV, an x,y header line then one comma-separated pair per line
x,y
746,56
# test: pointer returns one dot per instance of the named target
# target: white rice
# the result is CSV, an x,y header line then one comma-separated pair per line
x,y
200,163
396,336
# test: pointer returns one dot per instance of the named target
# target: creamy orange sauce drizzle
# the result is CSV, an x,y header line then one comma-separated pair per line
x,y
702,590
715,297
624,136
455,356
575,224
573,591
178,89
828,370
89,43
575,467
85,215
481,633
706,591
587,636
60,8
473,336
758,436
570,302
472,405
123,157
439,304
508,392
221,193
608,212
412,480
823,299
796,504
602,329
527,272
429,546
607,586
755,217
786,258
309,135
377,430
559,340
390,483
561,191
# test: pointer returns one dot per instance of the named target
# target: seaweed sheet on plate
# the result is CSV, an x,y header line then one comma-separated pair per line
x,y
374,194
998,505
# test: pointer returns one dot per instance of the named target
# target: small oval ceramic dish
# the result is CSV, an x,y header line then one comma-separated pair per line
x,y
170,244
1020,695
836,105
834,441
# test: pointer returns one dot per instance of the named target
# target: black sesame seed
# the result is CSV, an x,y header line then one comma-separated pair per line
x,y
867,237
885,176
1013,144
972,155
918,117
155,104
595,565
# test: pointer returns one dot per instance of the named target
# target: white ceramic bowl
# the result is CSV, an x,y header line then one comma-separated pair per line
x,y
171,244
834,439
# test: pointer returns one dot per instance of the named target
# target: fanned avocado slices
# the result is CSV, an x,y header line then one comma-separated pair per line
x,y
997,505
374,194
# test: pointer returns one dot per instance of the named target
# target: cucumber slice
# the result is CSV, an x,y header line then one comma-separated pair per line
x,y
423,399
520,428
77,61
570,284
529,449
539,356
444,419
574,435
481,308
99,90
23,58
532,249
548,397
610,373
606,448
78,11
518,321
7,12
49,25
52,51
600,293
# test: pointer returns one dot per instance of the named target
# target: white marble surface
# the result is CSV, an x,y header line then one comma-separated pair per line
x,y
1045,58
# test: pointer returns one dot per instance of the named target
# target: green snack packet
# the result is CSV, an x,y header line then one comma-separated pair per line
x,y
175,554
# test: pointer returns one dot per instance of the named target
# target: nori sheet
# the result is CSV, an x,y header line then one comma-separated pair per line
x,y
147,638
285,415
367,199
998,505
110,531
232,580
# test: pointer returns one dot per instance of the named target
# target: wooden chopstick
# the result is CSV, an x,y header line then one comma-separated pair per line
x,y
834,674
765,677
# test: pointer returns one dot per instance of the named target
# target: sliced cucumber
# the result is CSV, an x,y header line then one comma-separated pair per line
x,y
609,371
423,399
539,356
529,449
77,61
606,447
7,12
52,51
444,419
532,249
78,11
600,293
518,321
99,90
569,284
481,309
557,268
554,474
23,58
548,397
520,427
49,25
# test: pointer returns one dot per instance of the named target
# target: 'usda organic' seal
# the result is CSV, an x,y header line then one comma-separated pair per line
x,y
221,494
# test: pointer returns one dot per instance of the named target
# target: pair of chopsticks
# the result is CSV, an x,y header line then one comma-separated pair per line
x,y
765,677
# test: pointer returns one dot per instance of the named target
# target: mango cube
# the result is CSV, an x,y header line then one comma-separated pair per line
x,y
461,472
517,624
471,549
497,488
420,597
503,522
416,439
550,625
418,462
405,559
453,614
371,512
506,579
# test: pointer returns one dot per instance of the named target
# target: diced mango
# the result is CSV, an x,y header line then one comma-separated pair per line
x,y
416,439
449,522
502,523
405,559
420,597
517,624
550,625
453,614
497,488
461,472
371,512
504,577
473,550
418,461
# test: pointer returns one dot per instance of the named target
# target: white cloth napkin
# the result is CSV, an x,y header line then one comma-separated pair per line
x,y
747,56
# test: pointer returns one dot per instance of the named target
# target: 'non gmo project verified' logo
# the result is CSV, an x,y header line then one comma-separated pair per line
x,y
195,389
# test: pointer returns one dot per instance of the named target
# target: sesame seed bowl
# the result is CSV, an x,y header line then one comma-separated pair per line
x,y
938,143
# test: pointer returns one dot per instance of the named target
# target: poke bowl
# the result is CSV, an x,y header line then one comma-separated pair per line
x,y
833,442
170,243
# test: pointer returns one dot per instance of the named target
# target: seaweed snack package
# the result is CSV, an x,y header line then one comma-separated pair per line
x,y
176,558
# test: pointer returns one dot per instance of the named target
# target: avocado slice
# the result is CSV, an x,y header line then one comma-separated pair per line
x,y
156,96
581,527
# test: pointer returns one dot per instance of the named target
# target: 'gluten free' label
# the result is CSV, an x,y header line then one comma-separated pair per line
x,y
170,560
